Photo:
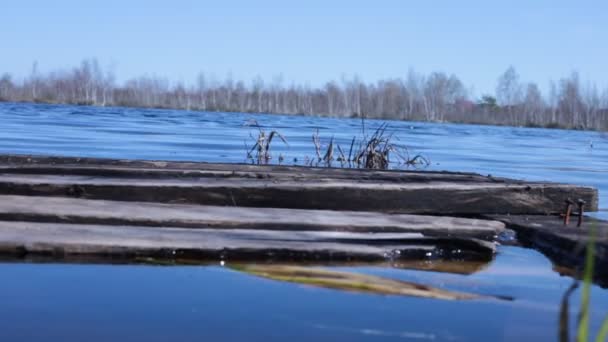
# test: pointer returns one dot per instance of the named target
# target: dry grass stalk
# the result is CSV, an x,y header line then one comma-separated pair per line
x,y
373,152
261,149
316,140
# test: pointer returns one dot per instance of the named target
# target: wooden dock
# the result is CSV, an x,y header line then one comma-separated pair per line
x,y
406,192
68,226
79,207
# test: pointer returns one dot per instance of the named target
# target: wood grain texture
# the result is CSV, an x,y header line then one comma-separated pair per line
x,y
69,210
409,192
64,240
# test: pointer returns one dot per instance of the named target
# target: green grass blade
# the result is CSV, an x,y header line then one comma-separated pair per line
x,y
603,334
583,322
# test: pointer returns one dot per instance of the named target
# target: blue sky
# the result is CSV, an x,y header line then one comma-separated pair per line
x,y
310,41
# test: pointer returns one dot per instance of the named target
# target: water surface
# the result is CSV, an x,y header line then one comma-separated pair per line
x,y
55,302
48,302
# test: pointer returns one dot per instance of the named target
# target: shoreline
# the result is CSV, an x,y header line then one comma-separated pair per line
x,y
318,115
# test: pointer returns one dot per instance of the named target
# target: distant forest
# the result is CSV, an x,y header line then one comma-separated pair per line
x,y
438,97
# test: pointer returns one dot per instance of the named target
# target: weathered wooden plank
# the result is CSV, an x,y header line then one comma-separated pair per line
x,y
414,193
62,240
248,171
565,245
58,209
138,168
413,198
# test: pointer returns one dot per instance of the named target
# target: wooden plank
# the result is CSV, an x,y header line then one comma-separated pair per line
x,y
58,209
284,187
61,240
182,168
564,245
101,167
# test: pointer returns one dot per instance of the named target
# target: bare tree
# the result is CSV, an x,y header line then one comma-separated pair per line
x,y
6,87
534,105
591,104
509,92
440,93
571,104
35,81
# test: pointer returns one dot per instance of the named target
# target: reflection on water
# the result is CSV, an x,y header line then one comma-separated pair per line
x,y
349,281
194,303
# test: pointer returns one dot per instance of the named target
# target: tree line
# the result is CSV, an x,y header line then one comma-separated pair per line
x,y
438,97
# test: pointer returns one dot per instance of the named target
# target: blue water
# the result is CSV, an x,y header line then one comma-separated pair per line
x,y
54,302
57,302
527,153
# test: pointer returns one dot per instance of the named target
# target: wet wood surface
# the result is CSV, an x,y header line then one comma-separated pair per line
x,y
63,240
565,245
70,210
241,185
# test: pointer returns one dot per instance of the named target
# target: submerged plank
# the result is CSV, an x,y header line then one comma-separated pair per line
x,y
284,187
564,245
58,209
63,240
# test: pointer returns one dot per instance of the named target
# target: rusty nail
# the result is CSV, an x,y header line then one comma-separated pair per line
x,y
569,204
581,210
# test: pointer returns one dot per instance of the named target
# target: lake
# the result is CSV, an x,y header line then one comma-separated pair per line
x,y
76,302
